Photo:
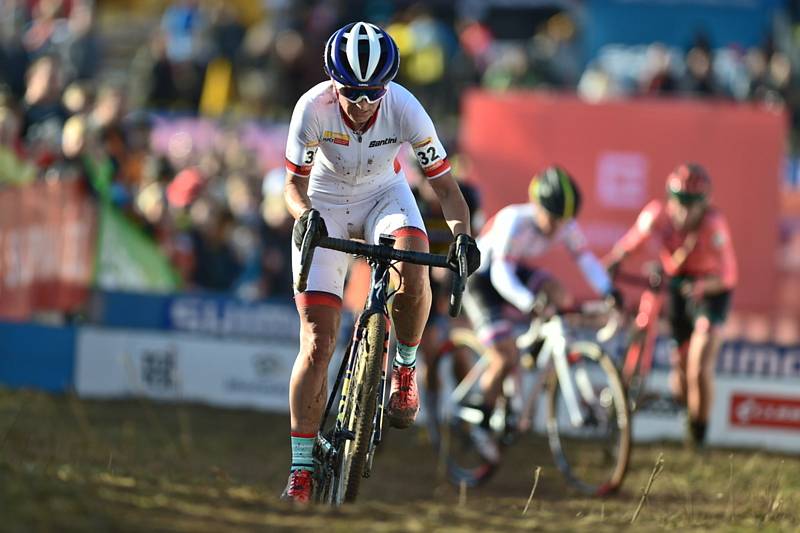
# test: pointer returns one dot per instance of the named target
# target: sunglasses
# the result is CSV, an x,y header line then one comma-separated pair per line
x,y
687,199
356,94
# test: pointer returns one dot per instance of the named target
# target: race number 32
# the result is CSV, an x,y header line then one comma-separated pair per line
x,y
427,156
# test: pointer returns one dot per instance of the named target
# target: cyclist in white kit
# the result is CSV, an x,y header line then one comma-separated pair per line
x,y
341,160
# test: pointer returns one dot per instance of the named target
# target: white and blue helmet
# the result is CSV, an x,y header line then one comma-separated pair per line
x,y
361,55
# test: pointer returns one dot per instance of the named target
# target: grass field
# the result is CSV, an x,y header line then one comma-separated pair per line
x,y
73,465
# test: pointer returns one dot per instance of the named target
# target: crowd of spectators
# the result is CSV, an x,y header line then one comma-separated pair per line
x,y
217,212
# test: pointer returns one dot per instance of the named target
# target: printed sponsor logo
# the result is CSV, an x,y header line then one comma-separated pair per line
x,y
233,318
267,369
750,410
336,137
751,359
159,368
387,140
423,142
622,179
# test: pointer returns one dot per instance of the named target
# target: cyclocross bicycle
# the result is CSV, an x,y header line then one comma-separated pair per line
x,y
587,415
345,446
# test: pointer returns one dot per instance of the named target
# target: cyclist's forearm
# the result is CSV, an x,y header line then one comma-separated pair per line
x,y
505,281
295,194
594,272
454,207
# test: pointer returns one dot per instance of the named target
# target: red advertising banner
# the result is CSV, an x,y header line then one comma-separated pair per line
x,y
47,238
756,410
621,152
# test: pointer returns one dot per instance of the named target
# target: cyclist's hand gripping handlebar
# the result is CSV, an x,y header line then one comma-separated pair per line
x,y
460,272
310,240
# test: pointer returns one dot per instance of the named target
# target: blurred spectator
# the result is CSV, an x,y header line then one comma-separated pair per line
x,y
77,98
185,188
14,60
73,163
81,46
699,78
106,116
182,24
216,264
227,31
42,107
657,75
152,81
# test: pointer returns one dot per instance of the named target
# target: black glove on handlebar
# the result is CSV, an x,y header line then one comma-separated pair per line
x,y
301,225
473,254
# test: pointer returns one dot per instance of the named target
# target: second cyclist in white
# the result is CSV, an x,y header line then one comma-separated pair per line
x,y
341,154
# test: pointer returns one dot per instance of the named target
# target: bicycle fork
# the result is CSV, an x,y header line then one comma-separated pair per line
x,y
555,348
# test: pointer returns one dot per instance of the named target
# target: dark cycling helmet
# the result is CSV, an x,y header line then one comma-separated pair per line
x,y
361,55
556,191
689,183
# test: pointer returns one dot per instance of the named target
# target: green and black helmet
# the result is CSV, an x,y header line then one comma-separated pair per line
x,y
556,191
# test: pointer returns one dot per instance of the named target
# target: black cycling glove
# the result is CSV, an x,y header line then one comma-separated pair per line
x,y
301,224
472,252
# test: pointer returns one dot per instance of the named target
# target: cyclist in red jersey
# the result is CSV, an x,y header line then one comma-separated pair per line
x,y
697,253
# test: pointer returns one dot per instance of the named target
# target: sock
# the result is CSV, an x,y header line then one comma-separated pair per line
x,y
302,451
698,430
406,355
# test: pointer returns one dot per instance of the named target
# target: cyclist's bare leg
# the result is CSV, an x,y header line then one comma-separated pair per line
x,y
502,358
410,308
412,303
677,376
703,348
308,386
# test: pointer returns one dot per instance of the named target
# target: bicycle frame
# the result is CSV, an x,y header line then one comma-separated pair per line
x,y
376,303
638,358
552,356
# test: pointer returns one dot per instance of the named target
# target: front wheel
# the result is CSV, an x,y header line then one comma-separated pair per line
x,y
361,405
588,421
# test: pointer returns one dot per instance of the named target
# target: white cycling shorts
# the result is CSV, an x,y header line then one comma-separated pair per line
x,y
384,213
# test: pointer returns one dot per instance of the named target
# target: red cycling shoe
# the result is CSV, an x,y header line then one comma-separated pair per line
x,y
404,400
299,487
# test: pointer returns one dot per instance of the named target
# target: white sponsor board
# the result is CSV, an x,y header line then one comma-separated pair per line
x,y
756,412
181,367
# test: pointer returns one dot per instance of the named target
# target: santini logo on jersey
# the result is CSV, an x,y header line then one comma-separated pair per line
x,y
336,138
387,140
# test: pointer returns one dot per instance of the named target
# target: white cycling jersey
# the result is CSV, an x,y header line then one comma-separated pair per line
x,y
512,239
347,166
355,178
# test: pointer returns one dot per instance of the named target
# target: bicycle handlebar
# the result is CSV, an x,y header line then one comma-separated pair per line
x,y
654,280
378,252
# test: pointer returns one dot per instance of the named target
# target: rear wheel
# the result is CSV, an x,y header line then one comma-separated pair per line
x,y
591,441
454,417
361,405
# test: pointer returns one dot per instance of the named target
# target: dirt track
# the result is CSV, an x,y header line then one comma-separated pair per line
x,y
70,465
